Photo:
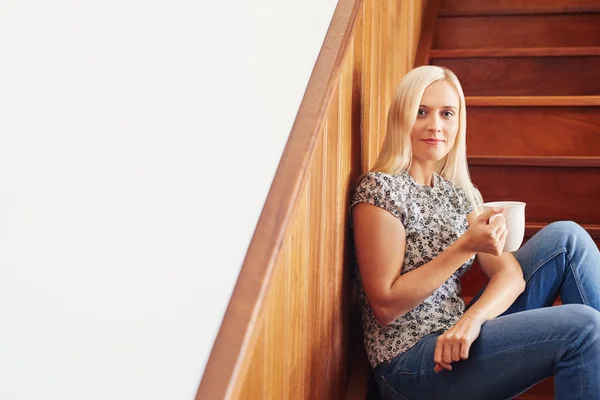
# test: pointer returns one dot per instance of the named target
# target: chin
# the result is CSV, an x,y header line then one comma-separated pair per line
x,y
433,156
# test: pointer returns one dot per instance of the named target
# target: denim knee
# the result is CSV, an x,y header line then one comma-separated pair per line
x,y
567,229
585,319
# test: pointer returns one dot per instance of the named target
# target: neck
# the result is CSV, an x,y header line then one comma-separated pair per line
x,y
422,173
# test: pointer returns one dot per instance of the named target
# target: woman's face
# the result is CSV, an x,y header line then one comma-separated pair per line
x,y
436,125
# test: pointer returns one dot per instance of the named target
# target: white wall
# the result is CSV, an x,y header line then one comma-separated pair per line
x,y
138,140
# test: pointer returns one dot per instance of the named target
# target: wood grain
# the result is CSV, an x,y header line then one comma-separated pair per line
x,y
527,76
454,4
402,25
535,161
428,27
518,7
515,52
551,193
578,30
487,10
533,131
526,101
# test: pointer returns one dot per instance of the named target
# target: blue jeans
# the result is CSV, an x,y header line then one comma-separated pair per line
x,y
530,341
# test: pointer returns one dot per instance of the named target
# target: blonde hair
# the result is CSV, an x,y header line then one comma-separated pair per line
x,y
396,153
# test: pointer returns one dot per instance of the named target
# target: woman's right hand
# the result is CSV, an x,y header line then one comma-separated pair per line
x,y
488,233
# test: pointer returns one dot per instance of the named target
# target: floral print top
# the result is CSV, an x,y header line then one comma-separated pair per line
x,y
433,218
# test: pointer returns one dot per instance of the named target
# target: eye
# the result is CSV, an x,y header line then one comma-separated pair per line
x,y
447,114
422,112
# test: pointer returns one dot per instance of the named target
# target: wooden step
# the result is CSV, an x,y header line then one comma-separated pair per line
x,y
526,101
516,7
533,131
526,76
495,10
515,52
571,30
520,161
557,188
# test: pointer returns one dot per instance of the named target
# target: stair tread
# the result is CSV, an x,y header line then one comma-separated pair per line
x,y
524,101
515,52
491,10
536,161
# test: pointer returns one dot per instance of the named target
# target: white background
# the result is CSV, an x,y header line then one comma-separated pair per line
x,y
138,141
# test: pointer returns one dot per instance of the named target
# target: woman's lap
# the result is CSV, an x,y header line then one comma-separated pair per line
x,y
523,346
512,353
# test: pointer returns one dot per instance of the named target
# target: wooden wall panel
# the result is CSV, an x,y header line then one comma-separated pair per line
x,y
540,131
551,193
306,322
389,52
526,76
463,4
518,31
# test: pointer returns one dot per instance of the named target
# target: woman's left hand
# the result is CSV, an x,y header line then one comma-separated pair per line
x,y
455,343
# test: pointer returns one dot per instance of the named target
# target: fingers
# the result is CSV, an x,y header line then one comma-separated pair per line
x,y
439,349
447,353
497,221
456,349
464,350
441,367
439,355
488,213
502,239
444,354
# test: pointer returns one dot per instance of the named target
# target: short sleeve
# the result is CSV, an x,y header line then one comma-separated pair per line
x,y
378,189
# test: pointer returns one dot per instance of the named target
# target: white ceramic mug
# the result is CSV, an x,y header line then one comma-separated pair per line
x,y
515,222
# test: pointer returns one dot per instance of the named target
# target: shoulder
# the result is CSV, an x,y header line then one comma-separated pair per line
x,y
373,188
382,184
382,190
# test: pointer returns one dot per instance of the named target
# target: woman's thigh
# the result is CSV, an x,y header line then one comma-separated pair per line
x,y
511,354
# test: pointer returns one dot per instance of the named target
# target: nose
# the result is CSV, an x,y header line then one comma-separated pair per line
x,y
434,123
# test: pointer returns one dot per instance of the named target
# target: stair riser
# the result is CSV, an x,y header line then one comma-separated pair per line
x,y
461,4
533,131
526,76
551,193
579,30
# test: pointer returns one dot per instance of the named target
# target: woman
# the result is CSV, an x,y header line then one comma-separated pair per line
x,y
418,225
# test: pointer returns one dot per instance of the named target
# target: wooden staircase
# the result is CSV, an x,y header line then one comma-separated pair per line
x,y
530,70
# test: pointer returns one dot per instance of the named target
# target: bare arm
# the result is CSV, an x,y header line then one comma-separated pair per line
x,y
380,241
506,282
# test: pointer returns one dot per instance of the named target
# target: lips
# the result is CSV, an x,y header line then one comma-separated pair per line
x,y
432,141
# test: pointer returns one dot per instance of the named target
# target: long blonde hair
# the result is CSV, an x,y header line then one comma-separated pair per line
x,y
396,153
